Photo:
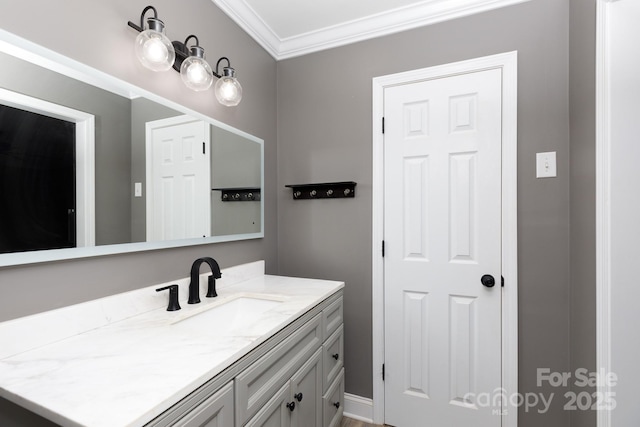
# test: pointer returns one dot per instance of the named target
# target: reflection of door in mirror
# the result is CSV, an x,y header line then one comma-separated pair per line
x,y
37,165
42,148
178,165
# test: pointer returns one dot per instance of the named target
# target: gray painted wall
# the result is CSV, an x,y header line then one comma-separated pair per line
x,y
34,288
112,152
325,134
235,163
582,96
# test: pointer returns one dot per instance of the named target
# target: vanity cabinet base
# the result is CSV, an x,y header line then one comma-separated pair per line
x,y
292,380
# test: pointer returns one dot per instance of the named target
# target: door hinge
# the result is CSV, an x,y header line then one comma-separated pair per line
x,y
502,280
383,125
383,372
383,249
203,148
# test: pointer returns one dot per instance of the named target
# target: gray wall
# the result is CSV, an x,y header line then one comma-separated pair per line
x,y
325,134
112,152
235,163
34,288
582,68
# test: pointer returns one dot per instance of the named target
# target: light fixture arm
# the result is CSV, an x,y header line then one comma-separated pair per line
x,y
183,51
144,11
192,36
217,71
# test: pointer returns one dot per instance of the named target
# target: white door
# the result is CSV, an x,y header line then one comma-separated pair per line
x,y
178,183
442,231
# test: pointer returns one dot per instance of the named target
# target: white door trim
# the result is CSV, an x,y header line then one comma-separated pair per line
x,y
508,62
603,214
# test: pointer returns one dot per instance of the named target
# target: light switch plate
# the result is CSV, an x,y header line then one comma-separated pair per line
x,y
137,189
546,165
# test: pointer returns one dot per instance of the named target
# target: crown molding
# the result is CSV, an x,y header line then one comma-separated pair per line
x,y
243,15
381,24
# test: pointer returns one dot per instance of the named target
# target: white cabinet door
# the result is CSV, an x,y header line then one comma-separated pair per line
x,y
306,390
275,413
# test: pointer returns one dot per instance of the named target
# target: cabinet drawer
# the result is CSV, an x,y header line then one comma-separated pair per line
x,y
216,411
258,383
332,357
333,402
331,318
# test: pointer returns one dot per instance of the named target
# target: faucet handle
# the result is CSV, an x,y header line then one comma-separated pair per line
x,y
173,297
211,289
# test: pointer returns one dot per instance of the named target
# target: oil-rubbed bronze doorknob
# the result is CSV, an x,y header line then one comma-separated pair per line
x,y
488,281
298,397
291,406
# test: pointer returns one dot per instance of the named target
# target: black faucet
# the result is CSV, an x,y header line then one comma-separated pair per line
x,y
194,285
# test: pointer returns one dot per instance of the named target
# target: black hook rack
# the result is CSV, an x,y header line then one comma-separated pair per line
x,y
243,194
326,190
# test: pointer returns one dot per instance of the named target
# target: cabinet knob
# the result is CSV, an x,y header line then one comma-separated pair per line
x,y
291,406
336,356
337,405
298,397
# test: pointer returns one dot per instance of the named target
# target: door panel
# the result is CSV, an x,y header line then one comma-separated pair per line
x,y
180,188
442,234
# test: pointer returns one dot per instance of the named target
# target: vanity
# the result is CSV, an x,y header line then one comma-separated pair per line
x,y
268,351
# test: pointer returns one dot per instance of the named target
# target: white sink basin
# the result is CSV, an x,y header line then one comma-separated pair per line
x,y
236,314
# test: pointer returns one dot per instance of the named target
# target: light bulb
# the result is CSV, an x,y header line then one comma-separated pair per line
x,y
195,71
155,51
228,89
153,48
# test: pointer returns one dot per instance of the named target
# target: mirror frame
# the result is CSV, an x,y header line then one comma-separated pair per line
x,y
41,56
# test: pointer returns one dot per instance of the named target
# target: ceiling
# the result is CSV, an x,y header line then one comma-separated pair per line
x,y
288,28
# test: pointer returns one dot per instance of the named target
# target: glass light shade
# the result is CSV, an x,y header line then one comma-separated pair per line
x,y
153,48
196,72
228,89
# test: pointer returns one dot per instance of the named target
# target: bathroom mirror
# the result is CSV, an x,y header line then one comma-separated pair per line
x,y
122,139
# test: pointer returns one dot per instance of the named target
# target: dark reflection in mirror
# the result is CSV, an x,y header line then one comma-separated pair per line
x,y
37,181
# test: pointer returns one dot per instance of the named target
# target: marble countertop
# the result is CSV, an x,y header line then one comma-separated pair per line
x,y
123,360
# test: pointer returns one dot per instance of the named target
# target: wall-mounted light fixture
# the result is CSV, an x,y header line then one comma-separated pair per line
x,y
157,53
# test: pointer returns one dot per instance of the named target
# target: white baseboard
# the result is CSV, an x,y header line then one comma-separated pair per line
x,y
358,408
